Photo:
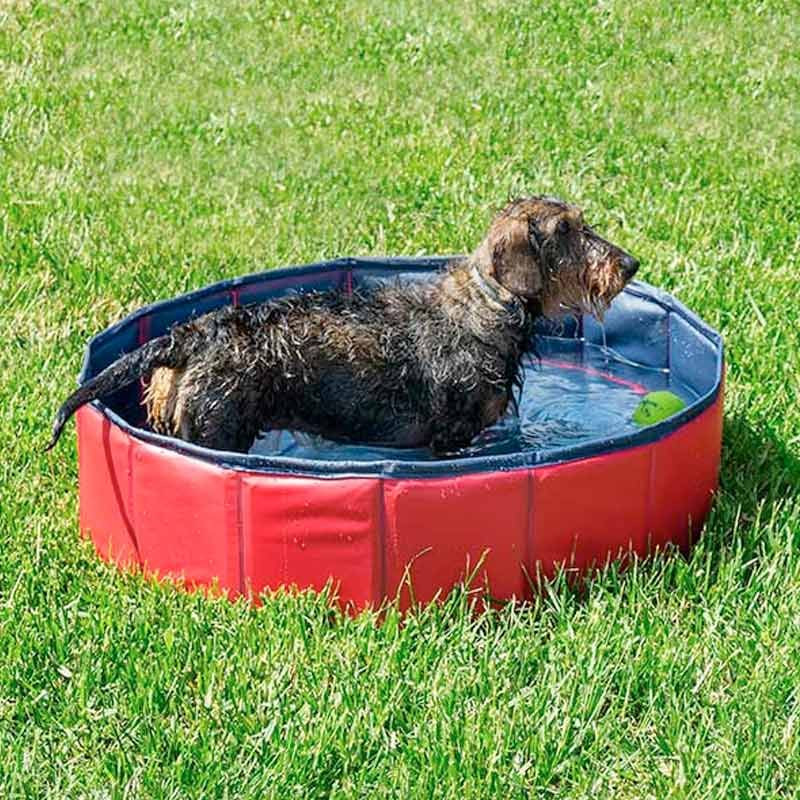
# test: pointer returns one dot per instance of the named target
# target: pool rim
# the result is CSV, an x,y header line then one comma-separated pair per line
x,y
326,468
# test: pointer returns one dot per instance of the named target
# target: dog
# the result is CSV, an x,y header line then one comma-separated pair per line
x,y
403,365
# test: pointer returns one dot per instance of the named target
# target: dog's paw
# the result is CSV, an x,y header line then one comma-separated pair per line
x,y
449,443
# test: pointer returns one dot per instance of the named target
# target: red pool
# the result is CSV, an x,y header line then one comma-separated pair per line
x,y
379,527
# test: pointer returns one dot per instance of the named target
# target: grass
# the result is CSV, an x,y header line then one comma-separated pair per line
x,y
147,148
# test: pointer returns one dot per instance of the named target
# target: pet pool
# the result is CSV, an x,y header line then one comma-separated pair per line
x,y
564,480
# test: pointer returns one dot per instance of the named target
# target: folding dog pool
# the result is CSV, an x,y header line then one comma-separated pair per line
x,y
565,480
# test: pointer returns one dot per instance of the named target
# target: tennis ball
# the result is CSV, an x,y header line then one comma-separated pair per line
x,y
656,406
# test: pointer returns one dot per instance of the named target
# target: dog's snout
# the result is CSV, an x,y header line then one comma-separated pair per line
x,y
629,266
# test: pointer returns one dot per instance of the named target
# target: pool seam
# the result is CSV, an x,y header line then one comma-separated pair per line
x,y
378,599
134,527
529,533
650,492
240,533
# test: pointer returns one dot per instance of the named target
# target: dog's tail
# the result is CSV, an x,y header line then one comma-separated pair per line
x,y
165,351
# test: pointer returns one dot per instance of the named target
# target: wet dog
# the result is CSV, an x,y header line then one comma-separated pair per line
x,y
403,365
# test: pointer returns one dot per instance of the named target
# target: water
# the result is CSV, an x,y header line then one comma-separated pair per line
x,y
573,394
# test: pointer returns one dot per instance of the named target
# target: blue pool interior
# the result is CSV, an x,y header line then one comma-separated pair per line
x,y
573,393
577,396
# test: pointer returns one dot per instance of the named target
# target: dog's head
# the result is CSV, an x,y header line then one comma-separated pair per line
x,y
541,250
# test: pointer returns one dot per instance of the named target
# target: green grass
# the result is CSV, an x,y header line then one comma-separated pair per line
x,y
147,148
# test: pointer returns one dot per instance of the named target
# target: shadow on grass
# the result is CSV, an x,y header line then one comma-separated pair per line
x,y
758,468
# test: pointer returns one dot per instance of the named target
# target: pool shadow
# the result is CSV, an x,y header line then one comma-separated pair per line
x,y
758,470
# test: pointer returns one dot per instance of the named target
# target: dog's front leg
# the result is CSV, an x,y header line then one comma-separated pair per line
x,y
448,441
455,425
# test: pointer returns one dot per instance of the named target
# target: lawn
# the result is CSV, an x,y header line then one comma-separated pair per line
x,y
148,148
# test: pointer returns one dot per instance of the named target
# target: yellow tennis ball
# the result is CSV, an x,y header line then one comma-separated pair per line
x,y
656,406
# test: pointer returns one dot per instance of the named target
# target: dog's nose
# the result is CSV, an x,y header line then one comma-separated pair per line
x,y
629,266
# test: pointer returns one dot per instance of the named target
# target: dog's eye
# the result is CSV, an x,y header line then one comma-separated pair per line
x,y
563,226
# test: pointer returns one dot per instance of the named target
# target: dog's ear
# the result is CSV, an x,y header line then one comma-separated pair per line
x,y
515,266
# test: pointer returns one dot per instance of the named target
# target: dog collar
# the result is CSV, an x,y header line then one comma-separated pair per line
x,y
492,290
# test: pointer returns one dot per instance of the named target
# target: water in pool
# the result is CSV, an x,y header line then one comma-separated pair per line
x,y
572,394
